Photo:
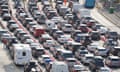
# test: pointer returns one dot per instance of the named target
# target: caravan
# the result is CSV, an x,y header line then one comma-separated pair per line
x,y
21,53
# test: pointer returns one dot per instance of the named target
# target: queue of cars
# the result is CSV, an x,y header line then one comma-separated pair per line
x,y
71,42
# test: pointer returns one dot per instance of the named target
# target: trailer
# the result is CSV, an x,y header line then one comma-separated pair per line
x,y
21,53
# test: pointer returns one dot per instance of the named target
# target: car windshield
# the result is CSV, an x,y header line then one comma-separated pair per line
x,y
89,57
60,33
83,52
115,59
67,55
46,58
113,33
102,49
76,46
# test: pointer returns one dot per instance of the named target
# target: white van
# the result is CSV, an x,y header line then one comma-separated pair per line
x,y
21,53
59,66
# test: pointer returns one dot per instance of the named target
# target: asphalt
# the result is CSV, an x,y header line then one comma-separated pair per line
x,y
114,17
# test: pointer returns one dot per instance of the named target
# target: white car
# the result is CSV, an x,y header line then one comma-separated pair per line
x,y
80,68
64,38
101,51
93,46
43,59
103,30
87,58
67,28
112,61
104,69
49,43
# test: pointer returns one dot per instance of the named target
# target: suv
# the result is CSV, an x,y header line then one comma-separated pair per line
x,y
96,63
113,61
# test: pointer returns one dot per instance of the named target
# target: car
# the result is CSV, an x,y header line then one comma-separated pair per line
x,y
11,22
110,43
8,41
103,30
69,17
63,54
96,63
4,35
26,21
112,34
30,24
81,53
37,31
34,45
67,28
20,34
44,37
24,37
74,33
52,31
62,10
82,37
38,51
91,23
112,61
41,19
17,31
71,61
49,25
2,31
104,69
115,51
6,17
73,46
57,34
64,38
83,28
101,51
51,14
93,46
48,43
95,35
32,66
54,48
61,23
79,68
12,27
44,59
28,41
87,58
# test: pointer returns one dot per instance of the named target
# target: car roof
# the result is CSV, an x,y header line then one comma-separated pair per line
x,y
70,58
100,47
89,55
114,57
45,56
117,47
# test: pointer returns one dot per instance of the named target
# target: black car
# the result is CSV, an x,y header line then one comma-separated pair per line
x,y
95,35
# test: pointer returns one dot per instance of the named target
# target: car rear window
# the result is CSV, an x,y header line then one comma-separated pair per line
x,y
115,59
